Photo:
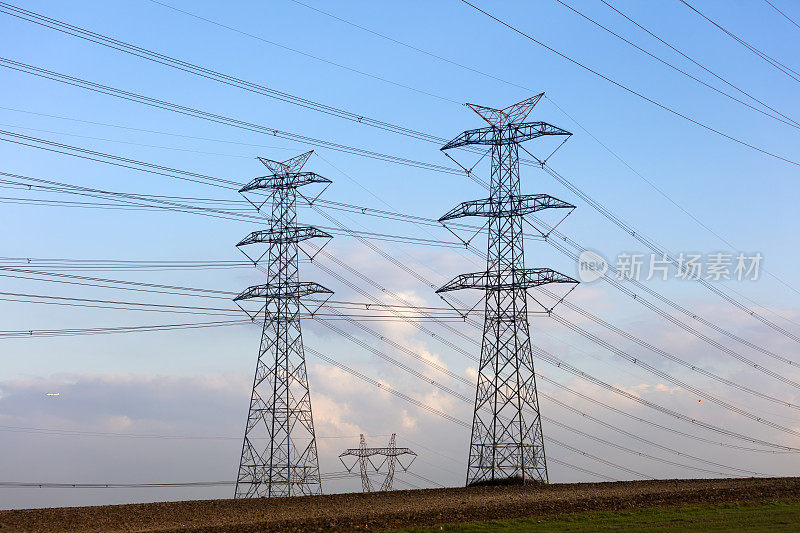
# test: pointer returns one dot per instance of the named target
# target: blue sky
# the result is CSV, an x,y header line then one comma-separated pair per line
x,y
745,196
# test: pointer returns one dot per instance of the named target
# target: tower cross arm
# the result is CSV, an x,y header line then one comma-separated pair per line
x,y
288,234
515,205
284,181
297,289
507,134
368,452
524,278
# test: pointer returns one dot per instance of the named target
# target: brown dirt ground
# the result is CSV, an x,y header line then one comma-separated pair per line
x,y
376,511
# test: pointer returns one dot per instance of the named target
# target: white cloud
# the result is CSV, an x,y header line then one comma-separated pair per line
x,y
408,421
471,373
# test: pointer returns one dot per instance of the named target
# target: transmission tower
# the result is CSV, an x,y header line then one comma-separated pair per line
x,y
279,453
507,441
391,457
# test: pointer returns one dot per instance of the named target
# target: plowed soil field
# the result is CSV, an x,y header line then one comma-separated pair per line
x,y
397,509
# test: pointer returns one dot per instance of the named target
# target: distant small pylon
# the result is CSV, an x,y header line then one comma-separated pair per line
x,y
363,456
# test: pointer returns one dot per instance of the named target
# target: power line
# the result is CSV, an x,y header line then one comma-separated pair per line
x,y
454,318
115,265
563,365
69,332
429,363
349,231
436,139
206,293
142,130
616,283
115,304
440,338
617,410
306,54
421,376
573,391
84,433
692,216
658,250
772,61
23,333
219,119
560,424
133,164
166,60
421,314
638,362
784,120
633,92
412,47
29,183
188,67
787,17
136,285
659,190
186,208
443,414
684,385
444,370
118,141
675,359
402,239
630,358
605,146
728,432
210,74
275,132
618,446
50,485
617,221
695,62
454,346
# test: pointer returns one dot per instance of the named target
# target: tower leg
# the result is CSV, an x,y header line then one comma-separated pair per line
x,y
366,482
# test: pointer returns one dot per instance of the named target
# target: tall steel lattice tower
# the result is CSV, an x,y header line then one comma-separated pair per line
x,y
279,453
507,441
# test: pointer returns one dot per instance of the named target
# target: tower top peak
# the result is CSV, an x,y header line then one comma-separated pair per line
x,y
513,114
289,166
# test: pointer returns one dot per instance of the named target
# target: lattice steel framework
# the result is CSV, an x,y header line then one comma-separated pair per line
x,y
507,441
391,457
279,453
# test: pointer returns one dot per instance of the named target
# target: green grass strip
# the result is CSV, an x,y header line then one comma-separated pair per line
x,y
776,516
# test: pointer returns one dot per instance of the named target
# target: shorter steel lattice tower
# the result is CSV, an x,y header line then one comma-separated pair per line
x,y
279,453
363,456
507,441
